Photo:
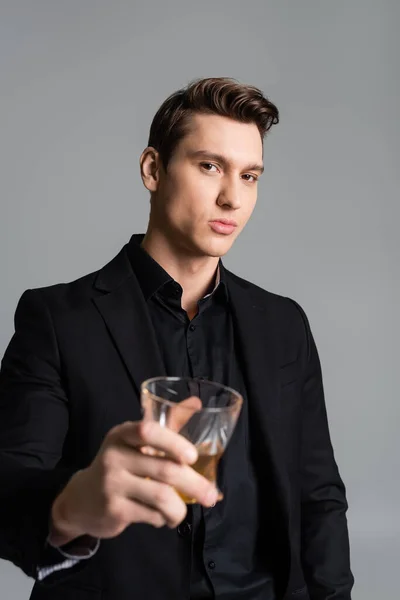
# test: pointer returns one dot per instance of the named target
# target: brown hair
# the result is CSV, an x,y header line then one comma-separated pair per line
x,y
216,95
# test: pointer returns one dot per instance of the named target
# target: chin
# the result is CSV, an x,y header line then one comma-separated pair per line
x,y
216,247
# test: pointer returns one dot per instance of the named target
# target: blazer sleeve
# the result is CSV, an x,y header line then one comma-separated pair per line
x,y
324,533
33,427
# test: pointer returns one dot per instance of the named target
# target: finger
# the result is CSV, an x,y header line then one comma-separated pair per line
x,y
136,512
161,498
147,433
182,477
180,414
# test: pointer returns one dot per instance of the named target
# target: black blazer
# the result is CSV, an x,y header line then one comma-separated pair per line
x,y
73,370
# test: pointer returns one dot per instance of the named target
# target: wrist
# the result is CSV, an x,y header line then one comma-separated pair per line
x,y
63,527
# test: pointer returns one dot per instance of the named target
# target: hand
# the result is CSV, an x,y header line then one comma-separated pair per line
x,y
124,486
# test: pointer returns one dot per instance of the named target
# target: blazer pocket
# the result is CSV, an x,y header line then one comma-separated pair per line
x,y
288,373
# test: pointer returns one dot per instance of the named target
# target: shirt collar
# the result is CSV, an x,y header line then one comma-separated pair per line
x,y
153,278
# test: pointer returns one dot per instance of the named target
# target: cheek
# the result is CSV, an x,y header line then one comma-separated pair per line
x,y
191,200
248,208
185,208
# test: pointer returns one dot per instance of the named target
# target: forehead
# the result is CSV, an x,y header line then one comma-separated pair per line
x,y
222,135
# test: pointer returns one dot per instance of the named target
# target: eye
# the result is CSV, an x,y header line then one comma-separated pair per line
x,y
206,166
253,178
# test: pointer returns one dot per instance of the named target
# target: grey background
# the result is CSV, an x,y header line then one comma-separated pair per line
x,y
80,82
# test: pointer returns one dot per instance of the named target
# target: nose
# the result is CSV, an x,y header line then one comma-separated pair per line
x,y
229,195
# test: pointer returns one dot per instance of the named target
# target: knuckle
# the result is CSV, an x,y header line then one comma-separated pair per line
x,y
110,484
136,513
157,520
114,430
163,495
117,433
115,511
144,430
182,512
145,514
109,458
113,434
167,471
179,515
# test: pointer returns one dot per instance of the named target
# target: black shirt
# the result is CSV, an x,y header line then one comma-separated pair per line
x,y
230,553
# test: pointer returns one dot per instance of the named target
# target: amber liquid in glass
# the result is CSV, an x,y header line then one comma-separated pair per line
x,y
206,465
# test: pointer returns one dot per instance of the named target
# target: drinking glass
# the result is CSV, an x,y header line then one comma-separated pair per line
x,y
202,411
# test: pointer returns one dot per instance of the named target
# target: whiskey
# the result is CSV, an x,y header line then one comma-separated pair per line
x,y
206,465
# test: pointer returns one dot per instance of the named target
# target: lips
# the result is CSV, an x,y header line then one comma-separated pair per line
x,y
223,226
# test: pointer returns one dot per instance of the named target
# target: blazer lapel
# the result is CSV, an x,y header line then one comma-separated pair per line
x,y
258,342
128,321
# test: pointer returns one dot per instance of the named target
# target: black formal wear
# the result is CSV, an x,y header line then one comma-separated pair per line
x,y
230,554
73,370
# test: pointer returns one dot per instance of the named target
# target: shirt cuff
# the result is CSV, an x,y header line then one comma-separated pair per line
x,y
81,548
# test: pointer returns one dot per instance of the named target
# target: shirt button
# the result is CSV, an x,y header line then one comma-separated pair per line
x,y
184,529
192,327
211,564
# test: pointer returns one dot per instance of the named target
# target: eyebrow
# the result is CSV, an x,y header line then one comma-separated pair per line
x,y
224,161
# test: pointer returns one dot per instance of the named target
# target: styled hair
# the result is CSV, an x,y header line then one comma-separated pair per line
x,y
215,95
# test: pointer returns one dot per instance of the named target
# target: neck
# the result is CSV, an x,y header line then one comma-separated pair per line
x,y
195,274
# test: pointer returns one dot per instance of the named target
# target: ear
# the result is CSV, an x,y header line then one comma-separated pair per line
x,y
150,165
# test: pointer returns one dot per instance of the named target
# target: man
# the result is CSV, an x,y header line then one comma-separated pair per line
x,y
84,511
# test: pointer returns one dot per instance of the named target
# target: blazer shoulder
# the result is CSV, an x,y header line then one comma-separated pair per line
x,y
59,293
82,290
287,311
